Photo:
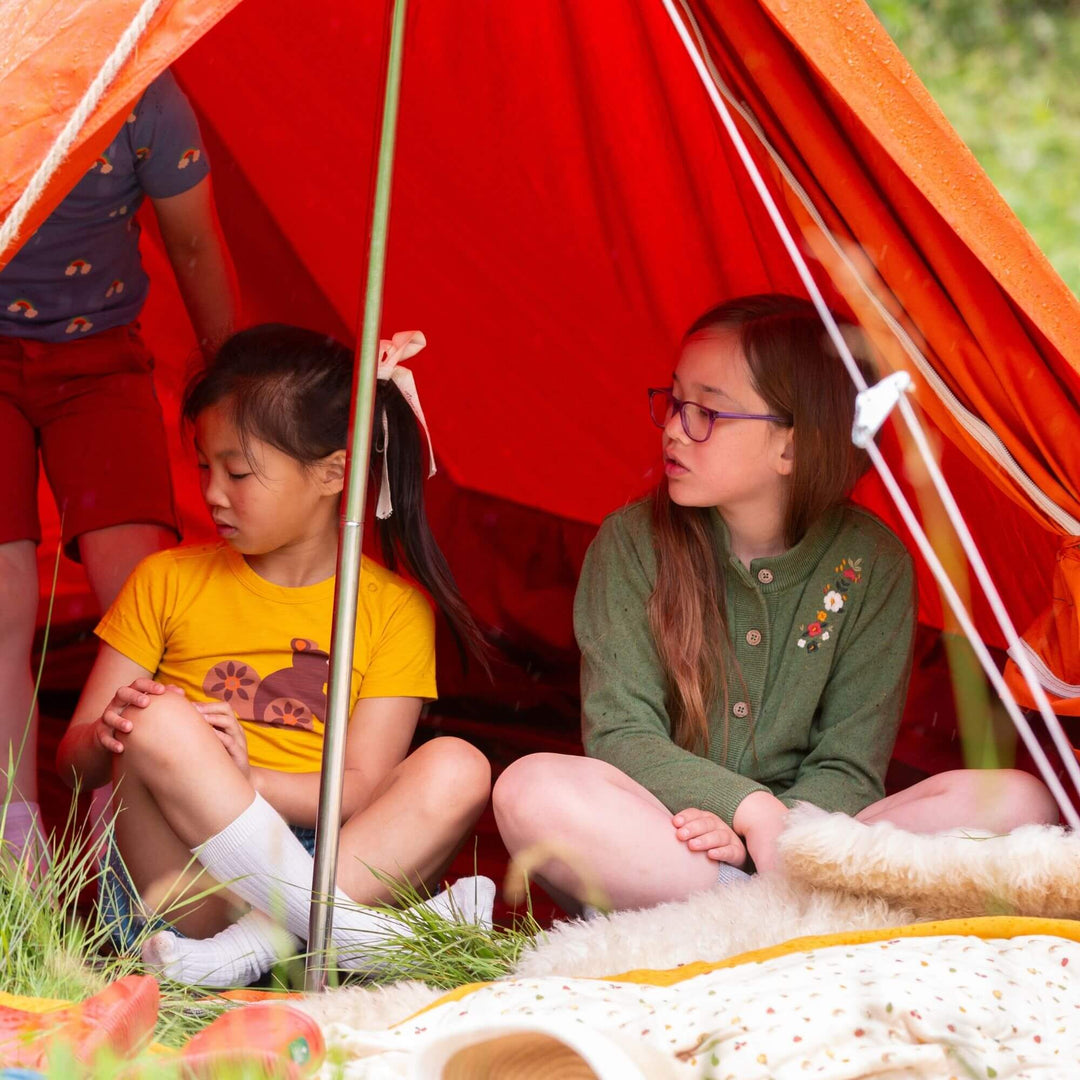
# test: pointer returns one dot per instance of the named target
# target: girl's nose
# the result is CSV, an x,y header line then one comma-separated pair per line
x,y
213,492
673,429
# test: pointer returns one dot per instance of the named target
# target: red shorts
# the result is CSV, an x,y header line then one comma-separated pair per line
x,y
90,407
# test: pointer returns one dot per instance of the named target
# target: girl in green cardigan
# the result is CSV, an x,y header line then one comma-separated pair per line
x,y
746,638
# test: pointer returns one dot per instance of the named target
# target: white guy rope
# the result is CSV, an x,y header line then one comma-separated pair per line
x,y
987,661
70,132
997,605
952,597
977,428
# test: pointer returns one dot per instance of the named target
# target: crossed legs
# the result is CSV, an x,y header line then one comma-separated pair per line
x,y
178,787
593,828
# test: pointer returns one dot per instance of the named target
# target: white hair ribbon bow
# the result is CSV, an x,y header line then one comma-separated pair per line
x,y
400,347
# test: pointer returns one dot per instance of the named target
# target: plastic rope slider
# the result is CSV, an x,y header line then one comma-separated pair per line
x,y
873,405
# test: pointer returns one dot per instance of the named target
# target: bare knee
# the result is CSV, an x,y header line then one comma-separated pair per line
x,y
522,781
457,777
998,800
1026,800
168,732
534,794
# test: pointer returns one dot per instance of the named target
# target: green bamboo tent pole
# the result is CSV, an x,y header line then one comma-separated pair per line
x,y
347,584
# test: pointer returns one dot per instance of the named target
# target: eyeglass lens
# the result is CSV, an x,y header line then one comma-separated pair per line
x,y
696,420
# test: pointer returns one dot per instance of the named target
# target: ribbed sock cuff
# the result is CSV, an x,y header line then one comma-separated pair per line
x,y
727,874
235,836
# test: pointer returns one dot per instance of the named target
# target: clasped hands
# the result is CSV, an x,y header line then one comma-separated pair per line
x,y
116,722
757,823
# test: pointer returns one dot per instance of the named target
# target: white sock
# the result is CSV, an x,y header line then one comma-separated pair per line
x,y
260,859
24,834
235,957
726,874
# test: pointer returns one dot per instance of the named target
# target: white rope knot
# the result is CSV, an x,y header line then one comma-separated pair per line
x,y
400,347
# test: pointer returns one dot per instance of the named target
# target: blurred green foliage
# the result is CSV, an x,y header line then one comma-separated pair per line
x,y
1007,75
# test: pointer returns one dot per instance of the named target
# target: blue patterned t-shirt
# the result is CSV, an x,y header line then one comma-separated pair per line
x,y
80,272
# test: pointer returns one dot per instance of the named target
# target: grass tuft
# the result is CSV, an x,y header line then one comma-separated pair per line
x,y
442,952
49,948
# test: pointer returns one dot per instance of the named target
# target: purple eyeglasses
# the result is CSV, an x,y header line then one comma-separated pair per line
x,y
697,420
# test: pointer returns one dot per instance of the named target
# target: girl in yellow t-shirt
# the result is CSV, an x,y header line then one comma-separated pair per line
x,y
227,766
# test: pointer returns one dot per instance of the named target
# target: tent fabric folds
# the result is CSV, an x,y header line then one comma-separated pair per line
x,y
565,203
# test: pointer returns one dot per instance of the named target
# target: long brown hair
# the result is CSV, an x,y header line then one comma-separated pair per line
x,y
794,367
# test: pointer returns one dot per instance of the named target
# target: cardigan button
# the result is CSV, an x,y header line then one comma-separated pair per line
x,y
765,576
753,637
741,709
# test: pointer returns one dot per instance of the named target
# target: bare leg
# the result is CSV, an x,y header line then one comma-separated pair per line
x,y
604,827
174,788
172,757
162,868
416,820
413,825
411,828
109,555
994,800
18,603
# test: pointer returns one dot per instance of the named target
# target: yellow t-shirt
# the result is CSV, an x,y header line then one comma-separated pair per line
x,y
201,618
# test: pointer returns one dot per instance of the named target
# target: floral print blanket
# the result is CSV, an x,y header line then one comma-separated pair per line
x,y
949,1007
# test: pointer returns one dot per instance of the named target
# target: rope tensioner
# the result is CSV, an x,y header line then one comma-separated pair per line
x,y
874,404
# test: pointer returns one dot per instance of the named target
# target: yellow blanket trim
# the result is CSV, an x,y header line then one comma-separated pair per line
x,y
47,1005
452,995
31,1004
986,927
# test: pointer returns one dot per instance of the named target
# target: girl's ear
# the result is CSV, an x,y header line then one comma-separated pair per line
x,y
785,463
331,473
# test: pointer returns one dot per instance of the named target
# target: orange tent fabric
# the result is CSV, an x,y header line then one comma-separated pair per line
x,y
565,203
1054,640
51,52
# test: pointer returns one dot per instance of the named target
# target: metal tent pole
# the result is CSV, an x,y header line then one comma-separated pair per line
x,y
347,584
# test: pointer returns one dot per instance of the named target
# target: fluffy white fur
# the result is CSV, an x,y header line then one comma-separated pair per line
x,y
708,926
368,1008
1034,870
838,875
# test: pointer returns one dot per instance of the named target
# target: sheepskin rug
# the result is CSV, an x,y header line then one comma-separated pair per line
x,y
372,1008
712,925
1034,870
836,874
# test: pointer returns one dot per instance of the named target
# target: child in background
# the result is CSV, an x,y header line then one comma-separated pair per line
x,y
230,773
746,638
76,385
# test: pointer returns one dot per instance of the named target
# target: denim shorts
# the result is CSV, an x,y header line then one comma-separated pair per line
x,y
120,908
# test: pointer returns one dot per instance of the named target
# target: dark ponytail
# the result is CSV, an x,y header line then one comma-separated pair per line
x,y
292,388
405,535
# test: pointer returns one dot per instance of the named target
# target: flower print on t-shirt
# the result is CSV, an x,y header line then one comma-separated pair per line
x,y
292,697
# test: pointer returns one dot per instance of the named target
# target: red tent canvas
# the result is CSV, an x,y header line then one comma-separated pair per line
x,y
565,202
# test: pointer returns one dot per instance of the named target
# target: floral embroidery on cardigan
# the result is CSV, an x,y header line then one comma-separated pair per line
x,y
813,634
